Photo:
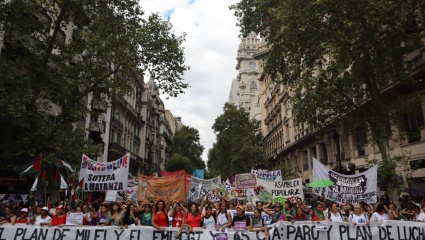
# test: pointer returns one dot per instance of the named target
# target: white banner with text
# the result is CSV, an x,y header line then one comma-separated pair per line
x,y
388,230
105,176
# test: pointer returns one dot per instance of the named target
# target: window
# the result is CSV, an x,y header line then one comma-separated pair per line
x,y
61,37
252,65
111,137
253,87
119,139
417,164
412,122
117,114
324,153
361,137
305,165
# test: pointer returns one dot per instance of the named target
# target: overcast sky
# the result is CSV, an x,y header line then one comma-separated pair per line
x,y
210,48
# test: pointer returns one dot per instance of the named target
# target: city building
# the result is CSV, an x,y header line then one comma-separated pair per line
x,y
287,142
244,91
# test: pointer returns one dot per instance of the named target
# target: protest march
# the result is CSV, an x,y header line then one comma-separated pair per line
x,y
255,205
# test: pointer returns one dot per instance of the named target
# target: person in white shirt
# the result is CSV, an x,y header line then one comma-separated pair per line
x,y
380,215
43,219
357,218
208,221
333,214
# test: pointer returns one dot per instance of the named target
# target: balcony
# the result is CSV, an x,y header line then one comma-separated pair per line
x,y
140,118
117,147
117,123
137,138
417,66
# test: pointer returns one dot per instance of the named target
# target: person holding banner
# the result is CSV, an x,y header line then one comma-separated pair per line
x,y
258,224
59,219
177,214
380,215
318,214
115,217
9,216
129,218
224,218
160,217
333,214
145,216
276,213
104,215
357,218
240,221
23,216
299,215
42,219
193,217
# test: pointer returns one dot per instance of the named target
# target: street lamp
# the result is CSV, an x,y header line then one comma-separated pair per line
x,y
338,155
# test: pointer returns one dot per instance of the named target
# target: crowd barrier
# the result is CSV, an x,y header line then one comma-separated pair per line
x,y
388,230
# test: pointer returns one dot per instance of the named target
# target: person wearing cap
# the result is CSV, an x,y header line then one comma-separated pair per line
x,y
42,219
59,219
23,216
240,217
209,220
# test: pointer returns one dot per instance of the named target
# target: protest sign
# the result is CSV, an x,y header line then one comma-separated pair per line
x,y
401,230
221,236
74,219
159,187
289,189
268,175
347,188
199,187
245,181
240,226
111,196
104,176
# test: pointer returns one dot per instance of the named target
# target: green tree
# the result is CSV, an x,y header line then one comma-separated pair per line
x,y
342,60
46,79
237,147
178,162
186,142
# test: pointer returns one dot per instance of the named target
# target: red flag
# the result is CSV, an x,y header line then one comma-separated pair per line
x,y
89,200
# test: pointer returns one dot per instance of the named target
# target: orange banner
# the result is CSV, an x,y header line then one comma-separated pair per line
x,y
159,187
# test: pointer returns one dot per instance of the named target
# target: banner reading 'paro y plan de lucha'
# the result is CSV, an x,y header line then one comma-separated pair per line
x,y
347,188
105,176
388,230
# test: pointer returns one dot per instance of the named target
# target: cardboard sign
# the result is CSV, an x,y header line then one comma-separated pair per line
x,y
245,181
221,236
240,226
74,219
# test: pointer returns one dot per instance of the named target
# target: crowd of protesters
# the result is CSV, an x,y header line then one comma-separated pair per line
x,y
219,215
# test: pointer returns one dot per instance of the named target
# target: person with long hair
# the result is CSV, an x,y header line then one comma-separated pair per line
x,y
257,224
334,214
318,214
160,217
178,214
9,216
146,214
129,218
393,212
299,215
115,217
379,215
94,215
193,217
224,218
104,214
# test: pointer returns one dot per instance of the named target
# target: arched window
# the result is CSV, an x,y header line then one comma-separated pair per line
x,y
253,87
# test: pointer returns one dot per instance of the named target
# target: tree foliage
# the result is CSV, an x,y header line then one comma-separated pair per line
x,y
45,78
342,60
178,162
186,143
237,147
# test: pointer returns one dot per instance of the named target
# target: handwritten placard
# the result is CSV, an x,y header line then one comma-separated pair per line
x,y
245,181
74,219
